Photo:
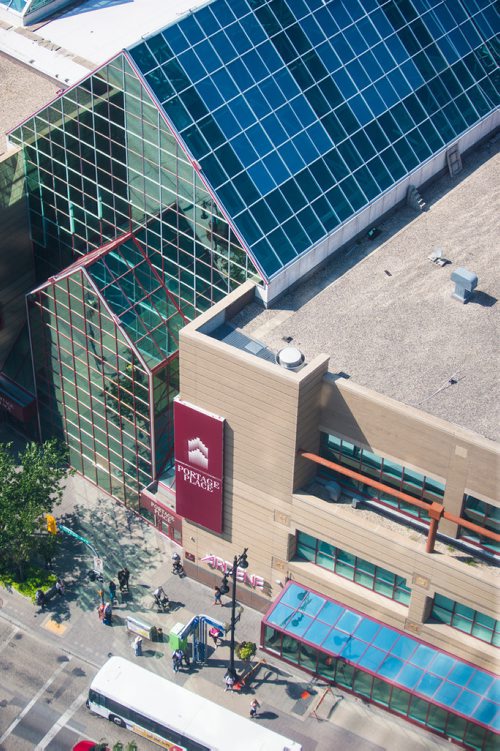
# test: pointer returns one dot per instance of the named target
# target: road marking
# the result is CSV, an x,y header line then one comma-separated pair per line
x,y
7,641
62,721
34,700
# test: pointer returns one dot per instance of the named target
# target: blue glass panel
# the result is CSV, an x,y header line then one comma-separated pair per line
x,y
367,629
192,65
372,659
294,595
227,122
348,621
244,149
192,30
291,157
318,632
390,667
298,624
281,615
335,641
441,664
208,57
312,604
239,72
428,684
274,130
403,648
480,682
488,713
257,102
461,673
386,638
466,703
330,612
267,259
276,167
447,694
353,650
210,94
409,676
422,656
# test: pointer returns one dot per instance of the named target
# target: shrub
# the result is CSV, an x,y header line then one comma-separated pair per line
x,y
246,650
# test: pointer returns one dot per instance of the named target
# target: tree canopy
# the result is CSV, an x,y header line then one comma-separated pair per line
x,y
31,485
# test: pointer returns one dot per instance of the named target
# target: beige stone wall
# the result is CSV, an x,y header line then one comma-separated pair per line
x,y
260,402
271,414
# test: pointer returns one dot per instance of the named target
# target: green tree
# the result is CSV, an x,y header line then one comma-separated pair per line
x,y
30,487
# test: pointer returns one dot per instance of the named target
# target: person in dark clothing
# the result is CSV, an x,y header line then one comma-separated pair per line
x,y
112,591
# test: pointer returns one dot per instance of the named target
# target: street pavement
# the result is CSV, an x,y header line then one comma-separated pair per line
x,y
70,625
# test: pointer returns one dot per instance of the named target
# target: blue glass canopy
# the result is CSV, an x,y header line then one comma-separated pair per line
x,y
301,112
409,663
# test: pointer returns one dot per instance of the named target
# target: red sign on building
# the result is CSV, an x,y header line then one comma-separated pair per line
x,y
199,464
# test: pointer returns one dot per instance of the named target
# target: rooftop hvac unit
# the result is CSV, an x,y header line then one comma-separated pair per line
x,y
290,358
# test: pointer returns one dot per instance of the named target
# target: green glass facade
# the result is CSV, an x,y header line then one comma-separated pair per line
x,y
353,567
105,348
485,515
384,470
101,162
101,159
465,619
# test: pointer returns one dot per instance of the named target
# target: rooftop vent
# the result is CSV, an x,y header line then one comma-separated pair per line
x,y
465,284
290,358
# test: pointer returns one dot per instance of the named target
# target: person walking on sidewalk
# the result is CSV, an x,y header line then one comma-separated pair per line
x,y
60,587
216,635
137,644
254,708
217,596
112,591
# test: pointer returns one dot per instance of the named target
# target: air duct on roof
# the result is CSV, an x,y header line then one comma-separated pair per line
x,y
290,358
465,284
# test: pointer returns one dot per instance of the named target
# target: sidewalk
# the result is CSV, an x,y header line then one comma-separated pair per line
x,y
287,696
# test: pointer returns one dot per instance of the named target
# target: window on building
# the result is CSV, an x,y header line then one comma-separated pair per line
x,y
465,619
485,515
351,567
383,470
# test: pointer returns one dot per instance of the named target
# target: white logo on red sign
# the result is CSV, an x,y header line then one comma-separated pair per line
x,y
198,452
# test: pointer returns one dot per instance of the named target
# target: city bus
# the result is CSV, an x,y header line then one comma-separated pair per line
x,y
172,716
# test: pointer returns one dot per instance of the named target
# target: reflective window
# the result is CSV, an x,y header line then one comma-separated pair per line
x,y
351,567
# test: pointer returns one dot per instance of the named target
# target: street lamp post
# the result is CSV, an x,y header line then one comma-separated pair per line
x,y
239,562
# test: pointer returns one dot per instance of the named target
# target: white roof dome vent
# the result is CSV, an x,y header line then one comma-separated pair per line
x,y
290,358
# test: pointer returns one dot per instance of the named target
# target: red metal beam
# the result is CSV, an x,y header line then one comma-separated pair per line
x,y
435,510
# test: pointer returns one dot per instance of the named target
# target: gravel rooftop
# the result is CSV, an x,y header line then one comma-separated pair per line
x,y
384,312
22,92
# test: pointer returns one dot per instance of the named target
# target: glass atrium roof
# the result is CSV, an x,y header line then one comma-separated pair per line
x,y
26,7
301,112
136,295
436,676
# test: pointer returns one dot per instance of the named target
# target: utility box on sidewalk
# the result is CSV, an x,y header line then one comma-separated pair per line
x,y
175,641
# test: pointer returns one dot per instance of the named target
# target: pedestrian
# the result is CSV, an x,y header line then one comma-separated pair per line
x,y
60,587
137,644
185,659
254,707
176,661
126,577
216,635
107,614
217,596
40,599
229,681
100,611
121,579
112,591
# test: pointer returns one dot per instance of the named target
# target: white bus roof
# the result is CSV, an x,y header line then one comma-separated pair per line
x,y
199,718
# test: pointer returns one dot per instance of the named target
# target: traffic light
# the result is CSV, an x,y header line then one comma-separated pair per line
x,y
51,524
